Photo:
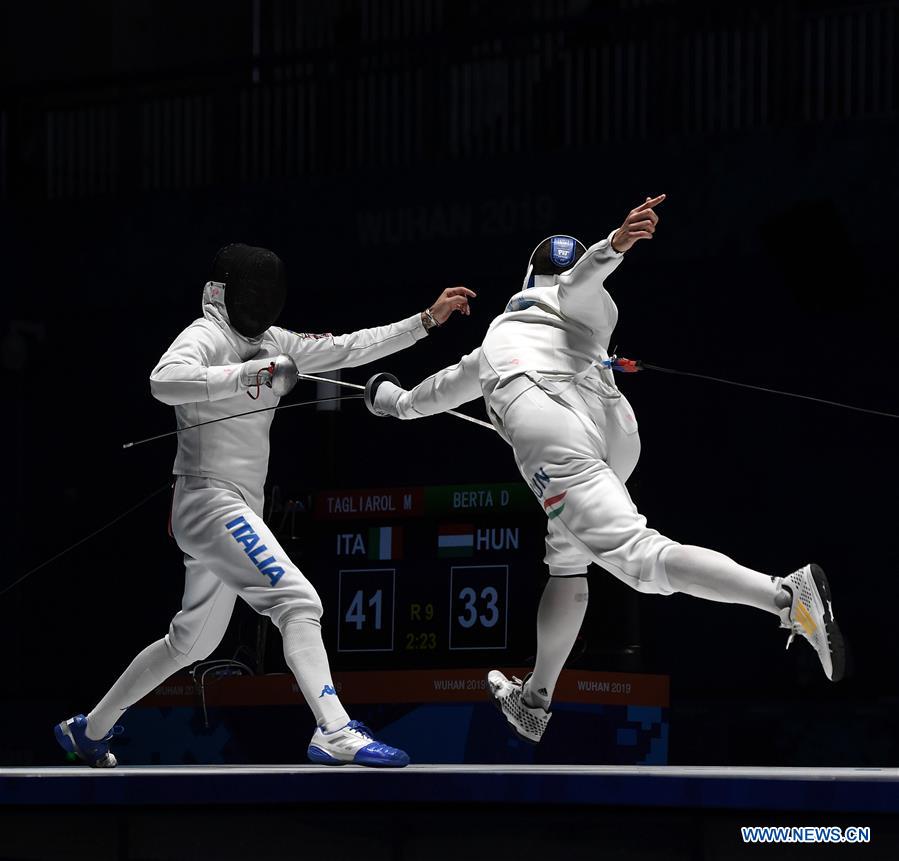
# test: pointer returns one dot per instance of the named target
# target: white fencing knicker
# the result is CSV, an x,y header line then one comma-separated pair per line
x,y
229,551
576,448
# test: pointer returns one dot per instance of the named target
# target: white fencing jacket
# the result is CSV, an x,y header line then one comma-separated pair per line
x,y
548,334
199,375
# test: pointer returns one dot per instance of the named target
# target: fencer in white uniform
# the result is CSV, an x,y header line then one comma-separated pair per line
x,y
220,468
543,372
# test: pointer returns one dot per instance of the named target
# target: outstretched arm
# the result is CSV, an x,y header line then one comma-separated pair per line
x,y
327,352
582,293
445,390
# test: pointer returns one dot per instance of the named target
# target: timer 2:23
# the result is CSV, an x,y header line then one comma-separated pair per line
x,y
425,641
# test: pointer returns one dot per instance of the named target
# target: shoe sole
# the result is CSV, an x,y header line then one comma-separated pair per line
x,y
834,635
322,757
499,707
379,763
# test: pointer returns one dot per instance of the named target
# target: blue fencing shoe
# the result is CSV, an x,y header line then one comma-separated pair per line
x,y
353,744
72,737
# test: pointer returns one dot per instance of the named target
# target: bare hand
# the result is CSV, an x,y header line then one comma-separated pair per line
x,y
640,224
452,299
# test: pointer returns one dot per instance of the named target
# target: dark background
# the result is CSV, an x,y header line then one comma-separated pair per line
x,y
389,149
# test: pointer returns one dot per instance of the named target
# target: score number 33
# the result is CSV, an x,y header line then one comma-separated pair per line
x,y
471,615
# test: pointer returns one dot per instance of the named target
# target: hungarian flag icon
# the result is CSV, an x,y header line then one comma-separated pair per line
x,y
555,505
455,539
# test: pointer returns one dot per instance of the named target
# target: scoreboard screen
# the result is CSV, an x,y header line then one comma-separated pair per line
x,y
418,577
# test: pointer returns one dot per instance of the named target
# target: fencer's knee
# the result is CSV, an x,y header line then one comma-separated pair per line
x,y
577,588
574,585
559,571
652,574
672,556
308,611
580,584
184,654
179,656
300,631
640,562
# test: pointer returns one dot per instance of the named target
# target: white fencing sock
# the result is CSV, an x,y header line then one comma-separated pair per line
x,y
711,575
145,673
308,661
559,618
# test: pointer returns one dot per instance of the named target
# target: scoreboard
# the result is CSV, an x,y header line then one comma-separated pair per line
x,y
417,577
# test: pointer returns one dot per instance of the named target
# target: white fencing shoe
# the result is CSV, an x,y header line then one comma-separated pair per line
x,y
810,615
528,723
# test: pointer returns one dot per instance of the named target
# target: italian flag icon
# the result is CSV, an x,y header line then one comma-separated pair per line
x,y
385,542
555,505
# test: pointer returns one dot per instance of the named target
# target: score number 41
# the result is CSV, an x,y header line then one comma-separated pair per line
x,y
355,614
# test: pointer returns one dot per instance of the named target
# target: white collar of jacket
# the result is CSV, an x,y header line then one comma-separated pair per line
x,y
215,311
539,280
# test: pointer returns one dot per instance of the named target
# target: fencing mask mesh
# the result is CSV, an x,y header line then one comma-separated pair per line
x,y
553,256
255,287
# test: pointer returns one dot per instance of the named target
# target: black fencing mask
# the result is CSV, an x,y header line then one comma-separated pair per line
x,y
553,256
255,287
